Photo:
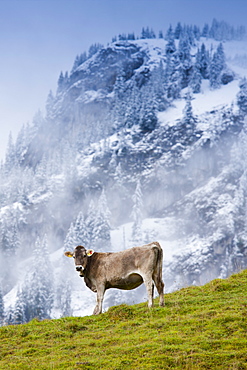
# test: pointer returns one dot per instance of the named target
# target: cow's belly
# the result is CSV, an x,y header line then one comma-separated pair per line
x,y
127,283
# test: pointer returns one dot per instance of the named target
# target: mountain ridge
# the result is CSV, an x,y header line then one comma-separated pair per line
x,y
161,139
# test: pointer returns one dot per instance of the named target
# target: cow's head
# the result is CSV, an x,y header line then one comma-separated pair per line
x,y
80,256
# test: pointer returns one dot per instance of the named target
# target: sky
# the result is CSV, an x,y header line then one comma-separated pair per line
x,y
41,38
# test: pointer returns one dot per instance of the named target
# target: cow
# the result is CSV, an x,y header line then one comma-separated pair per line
x,y
125,270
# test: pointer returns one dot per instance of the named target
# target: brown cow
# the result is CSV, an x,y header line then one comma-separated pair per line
x,y
122,270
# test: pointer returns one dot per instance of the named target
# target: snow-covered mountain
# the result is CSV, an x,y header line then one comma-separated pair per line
x,y
145,139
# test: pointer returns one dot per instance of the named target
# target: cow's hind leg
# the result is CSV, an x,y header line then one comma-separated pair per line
x,y
160,288
100,297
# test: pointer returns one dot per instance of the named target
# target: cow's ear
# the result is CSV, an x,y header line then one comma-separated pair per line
x,y
68,254
90,252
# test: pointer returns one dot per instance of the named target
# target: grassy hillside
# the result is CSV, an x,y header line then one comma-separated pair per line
x,y
199,328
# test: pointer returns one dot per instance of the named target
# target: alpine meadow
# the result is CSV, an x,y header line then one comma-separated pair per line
x,y
199,328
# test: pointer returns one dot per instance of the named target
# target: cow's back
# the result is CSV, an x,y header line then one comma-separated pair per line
x,y
118,265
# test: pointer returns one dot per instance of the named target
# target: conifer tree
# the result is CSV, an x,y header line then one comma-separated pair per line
x,y
91,220
157,82
216,67
147,33
50,106
1,307
9,244
242,97
196,32
204,61
79,60
137,213
178,31
214,77
131,36
100,231
119,105
188,121
170,45
94,48
148,117
66,309
81,235
196,78
10,319
103,206
19,309
41,288
169,33
221,56
60,83
101,234
21,144
185,59
132,107
205,30
161,34
173,77
63,289
70,241
10,158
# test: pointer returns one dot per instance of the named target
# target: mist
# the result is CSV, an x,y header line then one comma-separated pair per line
x,y
120,159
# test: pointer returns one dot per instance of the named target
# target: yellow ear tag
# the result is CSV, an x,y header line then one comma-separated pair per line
x,y
90,252
68,254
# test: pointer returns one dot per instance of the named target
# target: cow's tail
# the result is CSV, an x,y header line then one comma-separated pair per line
x,y
159,259
157,277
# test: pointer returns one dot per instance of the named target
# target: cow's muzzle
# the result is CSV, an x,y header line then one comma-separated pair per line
x,y
79,268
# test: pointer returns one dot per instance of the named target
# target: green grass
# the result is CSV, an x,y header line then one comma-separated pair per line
x,y
199,328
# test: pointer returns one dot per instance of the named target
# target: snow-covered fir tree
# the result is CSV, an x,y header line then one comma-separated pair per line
x,y
10,157
178,31
137,213
185,59
62,299
94,48
10,318
40,289
70,241
148,117
79,60
99,223
242,97
147,33
2,312
188,120
90,220
173,77
81,234
65,299
216,67
132,108
170,45
196,77
19,312
158,86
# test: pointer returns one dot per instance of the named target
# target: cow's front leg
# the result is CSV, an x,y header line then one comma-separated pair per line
x,y
100,297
